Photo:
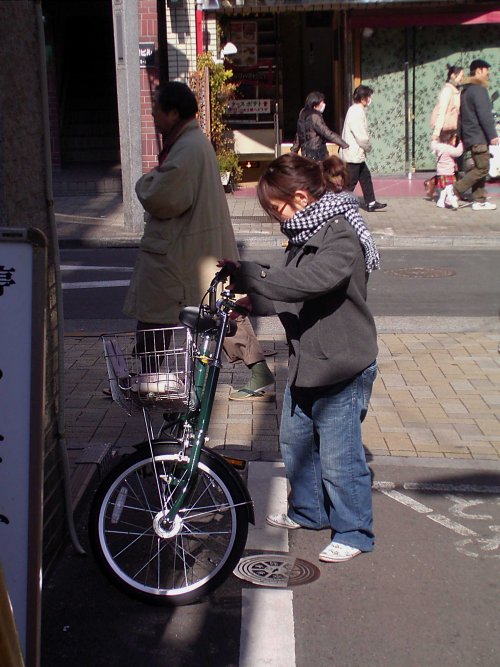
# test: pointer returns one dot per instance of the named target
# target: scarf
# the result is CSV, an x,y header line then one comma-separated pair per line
x,y
304,224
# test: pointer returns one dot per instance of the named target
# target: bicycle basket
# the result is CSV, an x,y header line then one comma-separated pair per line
x,y
150,367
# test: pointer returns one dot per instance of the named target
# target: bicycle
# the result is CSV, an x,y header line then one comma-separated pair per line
x,y
170,522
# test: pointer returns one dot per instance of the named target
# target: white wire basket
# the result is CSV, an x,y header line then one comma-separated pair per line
x,y
150,368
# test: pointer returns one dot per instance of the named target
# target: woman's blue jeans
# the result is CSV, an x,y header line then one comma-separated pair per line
x,y
325,462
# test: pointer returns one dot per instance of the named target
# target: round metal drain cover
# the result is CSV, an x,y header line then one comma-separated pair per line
x,y
276,570
421,272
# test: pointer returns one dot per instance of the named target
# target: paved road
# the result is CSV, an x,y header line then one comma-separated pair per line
x,y
412,283
428,595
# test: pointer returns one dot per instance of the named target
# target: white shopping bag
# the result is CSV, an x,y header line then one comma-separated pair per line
x,y
495,161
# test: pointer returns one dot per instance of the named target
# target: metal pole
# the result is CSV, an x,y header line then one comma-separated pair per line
x,y
407,104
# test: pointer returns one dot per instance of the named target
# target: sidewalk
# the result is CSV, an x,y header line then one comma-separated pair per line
x,y
410,220
437,395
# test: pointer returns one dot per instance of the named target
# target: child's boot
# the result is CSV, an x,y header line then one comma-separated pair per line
x,y
441,202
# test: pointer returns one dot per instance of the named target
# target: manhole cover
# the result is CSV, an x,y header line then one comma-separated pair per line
x,y
421,272
276,570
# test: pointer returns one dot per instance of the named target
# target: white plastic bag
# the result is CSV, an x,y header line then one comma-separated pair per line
x,y
495,161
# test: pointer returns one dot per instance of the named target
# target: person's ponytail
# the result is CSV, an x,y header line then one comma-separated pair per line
x,y
335,173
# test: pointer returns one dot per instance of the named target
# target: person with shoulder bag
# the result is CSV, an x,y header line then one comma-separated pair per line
x,y
444,116
312,131
478,131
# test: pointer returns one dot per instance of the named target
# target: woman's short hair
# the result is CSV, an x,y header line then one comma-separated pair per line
x,y
362,93
313,99
176,95
292,172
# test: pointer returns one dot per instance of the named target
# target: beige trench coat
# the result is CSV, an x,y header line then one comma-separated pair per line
x,y
187,229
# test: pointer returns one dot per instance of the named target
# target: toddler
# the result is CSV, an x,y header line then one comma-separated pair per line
x,y
447,149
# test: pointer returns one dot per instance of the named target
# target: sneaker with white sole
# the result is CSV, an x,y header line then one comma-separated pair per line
x,y
336,552
282,521
441,202
451,197
483,206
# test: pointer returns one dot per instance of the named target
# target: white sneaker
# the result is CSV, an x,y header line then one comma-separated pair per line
x,y
282,521
338,553
483,206
450,196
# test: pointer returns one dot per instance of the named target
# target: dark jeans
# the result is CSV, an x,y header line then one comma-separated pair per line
x,y
360,172
320,440
476,177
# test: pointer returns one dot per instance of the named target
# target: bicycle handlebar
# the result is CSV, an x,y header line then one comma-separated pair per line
x,y
223,274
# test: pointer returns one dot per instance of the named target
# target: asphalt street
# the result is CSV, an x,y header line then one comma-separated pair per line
x,y
411,283
428,594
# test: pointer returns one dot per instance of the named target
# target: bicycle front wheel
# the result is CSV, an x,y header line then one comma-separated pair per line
x,y
168,563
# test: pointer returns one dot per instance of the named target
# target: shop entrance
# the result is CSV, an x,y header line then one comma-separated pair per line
x,y
280,59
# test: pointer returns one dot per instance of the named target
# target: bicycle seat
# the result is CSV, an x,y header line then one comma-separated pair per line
x,y
193,318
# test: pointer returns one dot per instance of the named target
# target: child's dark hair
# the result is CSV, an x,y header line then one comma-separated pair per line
x,y
445,136
292,172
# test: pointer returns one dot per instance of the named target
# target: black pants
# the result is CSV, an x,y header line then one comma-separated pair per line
x,y
358,171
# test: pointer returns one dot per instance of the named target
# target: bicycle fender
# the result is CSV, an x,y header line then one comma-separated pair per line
x,y
210,453
236,477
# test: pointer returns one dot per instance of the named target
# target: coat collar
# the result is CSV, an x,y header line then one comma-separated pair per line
x,y
472,80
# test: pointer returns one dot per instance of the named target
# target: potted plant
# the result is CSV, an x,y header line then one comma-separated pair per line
x,y
222,91
230,170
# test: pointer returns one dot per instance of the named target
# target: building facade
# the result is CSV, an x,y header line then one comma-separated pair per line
x,y
102,93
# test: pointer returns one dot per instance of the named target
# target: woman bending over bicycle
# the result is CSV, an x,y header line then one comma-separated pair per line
x,y
319,293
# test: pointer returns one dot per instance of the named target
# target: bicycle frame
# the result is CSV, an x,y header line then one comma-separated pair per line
x,y
205,379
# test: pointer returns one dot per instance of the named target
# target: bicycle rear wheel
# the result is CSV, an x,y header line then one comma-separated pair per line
x,y
162,563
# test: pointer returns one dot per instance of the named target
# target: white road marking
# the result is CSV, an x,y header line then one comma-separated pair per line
x,y
452,525
268,488
459,504
76,267
406,500
428,511
438,486
267,628
485,544
96,284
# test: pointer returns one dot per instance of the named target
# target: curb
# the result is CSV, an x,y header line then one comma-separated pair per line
x,y
251,241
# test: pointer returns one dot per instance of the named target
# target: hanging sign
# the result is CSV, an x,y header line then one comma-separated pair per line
x,y
249,106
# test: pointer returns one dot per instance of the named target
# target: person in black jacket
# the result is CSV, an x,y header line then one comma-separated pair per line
x,y
319,293
312,131
477,130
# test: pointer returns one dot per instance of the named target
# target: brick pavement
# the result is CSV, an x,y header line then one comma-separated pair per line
x,y
407,221
437,395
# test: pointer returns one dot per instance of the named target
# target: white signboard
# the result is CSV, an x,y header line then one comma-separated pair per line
x,y
249,106
20,450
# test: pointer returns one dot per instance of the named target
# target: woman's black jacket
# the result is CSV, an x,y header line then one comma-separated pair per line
x,y
312,135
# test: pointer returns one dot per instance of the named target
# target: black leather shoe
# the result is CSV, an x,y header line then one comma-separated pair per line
x,y
376,206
